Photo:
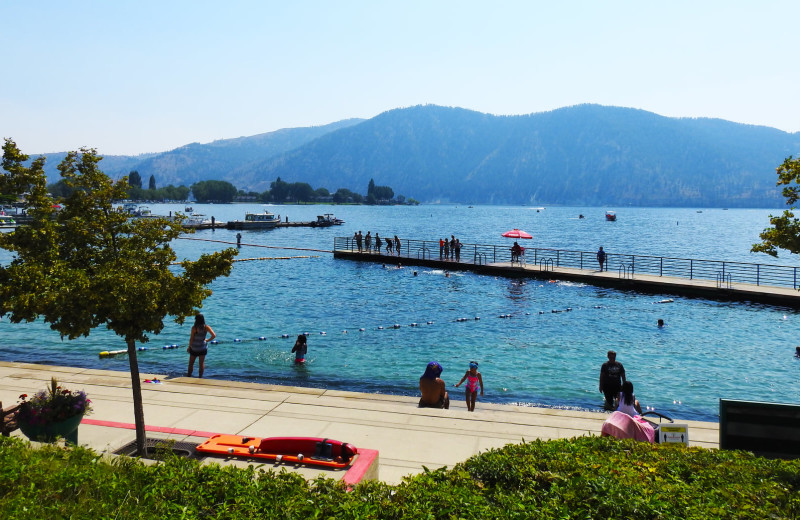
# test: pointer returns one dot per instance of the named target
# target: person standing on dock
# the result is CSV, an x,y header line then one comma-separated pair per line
x,y
397,245
360,242
458,250
601,258
368,242
446,250
378,243
388,246
612,377
441,248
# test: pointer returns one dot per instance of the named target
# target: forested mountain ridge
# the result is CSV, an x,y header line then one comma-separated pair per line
x,y
582,155
586,155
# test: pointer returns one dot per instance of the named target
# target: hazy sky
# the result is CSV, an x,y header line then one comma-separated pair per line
x,y
130,77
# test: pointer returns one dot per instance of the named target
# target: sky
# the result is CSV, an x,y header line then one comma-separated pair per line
x,y
132,77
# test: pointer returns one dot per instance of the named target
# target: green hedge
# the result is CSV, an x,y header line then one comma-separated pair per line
x,y
587,477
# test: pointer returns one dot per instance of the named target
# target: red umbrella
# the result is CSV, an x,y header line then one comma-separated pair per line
x,y
517,233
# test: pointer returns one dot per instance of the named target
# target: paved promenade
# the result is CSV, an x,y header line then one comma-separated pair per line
x,y
405,437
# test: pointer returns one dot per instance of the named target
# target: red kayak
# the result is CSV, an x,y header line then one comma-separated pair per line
x,y
306,450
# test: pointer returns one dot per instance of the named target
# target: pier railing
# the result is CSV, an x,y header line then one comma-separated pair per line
x,y
725,273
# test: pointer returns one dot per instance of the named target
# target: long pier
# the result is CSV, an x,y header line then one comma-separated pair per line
x,y
712,279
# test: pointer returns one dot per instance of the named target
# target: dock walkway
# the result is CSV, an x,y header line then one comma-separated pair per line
x,y
758,283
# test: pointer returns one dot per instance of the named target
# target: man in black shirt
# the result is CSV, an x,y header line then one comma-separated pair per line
x,y
612,375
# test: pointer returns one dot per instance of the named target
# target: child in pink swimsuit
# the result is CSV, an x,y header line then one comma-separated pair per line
x,y
473,378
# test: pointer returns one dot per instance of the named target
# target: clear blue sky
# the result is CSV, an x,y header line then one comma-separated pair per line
x,y
130,77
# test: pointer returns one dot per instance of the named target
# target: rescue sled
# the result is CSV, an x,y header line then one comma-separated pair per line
x,y
314,451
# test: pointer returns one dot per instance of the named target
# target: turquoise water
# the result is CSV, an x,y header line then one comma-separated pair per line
x,y
707,351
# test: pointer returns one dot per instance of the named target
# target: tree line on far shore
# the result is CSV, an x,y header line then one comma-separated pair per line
x,y
280,192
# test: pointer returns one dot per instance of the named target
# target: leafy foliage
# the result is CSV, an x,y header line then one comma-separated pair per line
x,y
89,265
785,230
214,191
589,477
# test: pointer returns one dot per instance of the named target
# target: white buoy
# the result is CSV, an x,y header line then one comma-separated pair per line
x,y
362,329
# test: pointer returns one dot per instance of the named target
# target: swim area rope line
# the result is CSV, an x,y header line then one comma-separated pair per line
x,y
395,326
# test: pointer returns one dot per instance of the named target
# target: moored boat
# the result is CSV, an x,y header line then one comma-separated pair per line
x,y
611,216
264,220
7,221
327,220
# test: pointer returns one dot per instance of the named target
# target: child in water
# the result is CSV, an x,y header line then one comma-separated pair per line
x,y
300,348
474,379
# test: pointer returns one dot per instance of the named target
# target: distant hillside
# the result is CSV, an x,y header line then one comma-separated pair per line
x,y
213,161
587,154
581,155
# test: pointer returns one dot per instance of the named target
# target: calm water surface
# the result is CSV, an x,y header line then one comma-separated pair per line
x,y
707,351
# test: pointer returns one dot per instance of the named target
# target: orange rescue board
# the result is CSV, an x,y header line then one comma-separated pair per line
x,y
304,450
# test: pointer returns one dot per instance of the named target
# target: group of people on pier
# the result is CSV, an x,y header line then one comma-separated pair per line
x,y
450,249
374,244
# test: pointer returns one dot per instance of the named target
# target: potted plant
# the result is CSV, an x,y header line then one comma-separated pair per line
x,y
52,413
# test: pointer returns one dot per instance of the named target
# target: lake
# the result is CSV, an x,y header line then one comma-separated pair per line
x,y
708,350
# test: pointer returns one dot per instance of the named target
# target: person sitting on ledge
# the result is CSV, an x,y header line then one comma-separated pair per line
x,y
516,251
432,388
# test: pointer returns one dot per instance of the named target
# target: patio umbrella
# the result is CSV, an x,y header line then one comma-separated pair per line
x,y
517,233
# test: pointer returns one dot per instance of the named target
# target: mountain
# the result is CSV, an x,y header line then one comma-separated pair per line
x,y
217,160
580,155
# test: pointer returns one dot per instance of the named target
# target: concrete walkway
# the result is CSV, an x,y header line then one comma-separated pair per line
x,y
406,437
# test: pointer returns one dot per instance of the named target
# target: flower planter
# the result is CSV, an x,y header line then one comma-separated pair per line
x,y
68,428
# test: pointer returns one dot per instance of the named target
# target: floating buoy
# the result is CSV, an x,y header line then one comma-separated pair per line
x,y
477,317
261,338
141,348
598,306
344,332
237,340
362,329
413,324
214,342
541,312
323,333
284,335
569,309
305,334
430,323
668,300
396,326
380,327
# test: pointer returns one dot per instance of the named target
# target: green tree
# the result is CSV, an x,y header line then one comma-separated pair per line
x,y
217,191
152,185
279,190
134,179
371,188
785,230
90,265
301,192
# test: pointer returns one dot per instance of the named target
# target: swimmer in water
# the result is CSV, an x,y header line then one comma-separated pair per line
x,y
660,323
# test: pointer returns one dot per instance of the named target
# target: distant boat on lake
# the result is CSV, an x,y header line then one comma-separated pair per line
x,y
611,216
263,220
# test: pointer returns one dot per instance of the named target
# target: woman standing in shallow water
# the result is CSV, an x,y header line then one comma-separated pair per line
x,y
198,344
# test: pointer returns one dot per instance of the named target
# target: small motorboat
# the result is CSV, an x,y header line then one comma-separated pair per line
x,y
314,451
611,216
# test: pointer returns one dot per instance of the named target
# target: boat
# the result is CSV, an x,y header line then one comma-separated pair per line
x,y
314,451
196,221
611,216
135,210
7,221
264,220
188,209
327,220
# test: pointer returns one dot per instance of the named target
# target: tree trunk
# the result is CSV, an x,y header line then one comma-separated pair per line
x,y
138,408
